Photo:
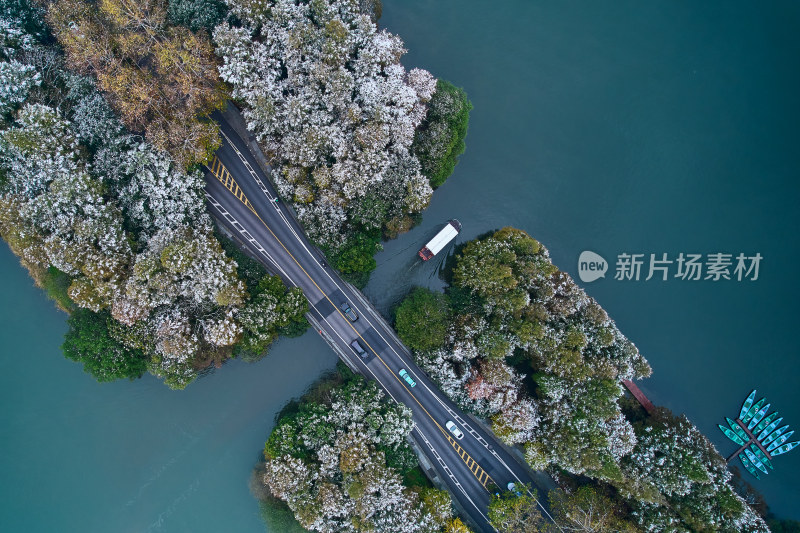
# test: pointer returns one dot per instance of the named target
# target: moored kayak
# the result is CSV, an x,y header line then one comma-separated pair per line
x,y
747,404
753,410
774,435
761,457
738,429
785,448
748,465
779,441
758,416
767,430
756,461
764,423
731,435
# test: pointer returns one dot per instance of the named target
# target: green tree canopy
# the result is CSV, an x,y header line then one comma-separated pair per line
x,y
440,138
509,513
422,319
88,341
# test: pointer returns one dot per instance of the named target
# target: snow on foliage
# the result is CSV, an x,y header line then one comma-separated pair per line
x,y
511,304
186,263
329,100
16,80
223,331
330,464
13,37
119,221
62,217
674,463
159,194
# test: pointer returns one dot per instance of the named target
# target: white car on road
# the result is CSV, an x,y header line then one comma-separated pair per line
x,y
453,428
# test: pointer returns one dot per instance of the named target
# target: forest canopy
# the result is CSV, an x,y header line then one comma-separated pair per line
x,y
161,79
341,460
115,229
105,124
325,94
525,348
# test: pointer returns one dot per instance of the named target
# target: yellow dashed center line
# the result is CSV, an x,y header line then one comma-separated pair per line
x,y
225,177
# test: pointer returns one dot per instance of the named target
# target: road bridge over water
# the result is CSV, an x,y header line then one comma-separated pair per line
x,y
241,197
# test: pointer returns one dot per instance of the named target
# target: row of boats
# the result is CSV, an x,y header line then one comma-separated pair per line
x,y
759,435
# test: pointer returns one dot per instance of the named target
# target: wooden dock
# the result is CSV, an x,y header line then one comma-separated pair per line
x,y
639,395
753,440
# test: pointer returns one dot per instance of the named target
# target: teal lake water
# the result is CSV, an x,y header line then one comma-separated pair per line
x,y
622,126
641,127
80,456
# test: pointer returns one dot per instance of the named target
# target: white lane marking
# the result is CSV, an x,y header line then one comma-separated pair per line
x,y
450,474
313,257
267,256
299,240
224,212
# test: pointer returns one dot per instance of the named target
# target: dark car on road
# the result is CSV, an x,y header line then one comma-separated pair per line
x,y
360,350
348,311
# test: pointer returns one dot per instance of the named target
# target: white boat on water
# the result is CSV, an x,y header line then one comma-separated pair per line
x,y
442,239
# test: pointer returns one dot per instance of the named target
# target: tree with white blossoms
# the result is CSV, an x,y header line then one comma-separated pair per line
x,y
512,304
271,307
107,223
61,217
176,338
16,79
588,509
155,192
582,429
332,463
93,121
514,312
224,331
186,264
516,423
448,374
327,97
678,466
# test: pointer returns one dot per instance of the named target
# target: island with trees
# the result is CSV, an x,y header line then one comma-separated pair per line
x,y
517,343
341,460
357,143
106,124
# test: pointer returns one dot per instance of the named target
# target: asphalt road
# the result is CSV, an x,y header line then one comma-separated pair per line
x,y
241,197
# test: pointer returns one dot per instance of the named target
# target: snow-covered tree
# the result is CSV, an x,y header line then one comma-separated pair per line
x,y
159,194
185,263
688,474
329,100
332,464
516,422
16,79
117,223
63,218
92,119
224,331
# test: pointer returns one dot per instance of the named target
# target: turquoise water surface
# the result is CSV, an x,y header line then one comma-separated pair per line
x,y
80,456
616,126
636,126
